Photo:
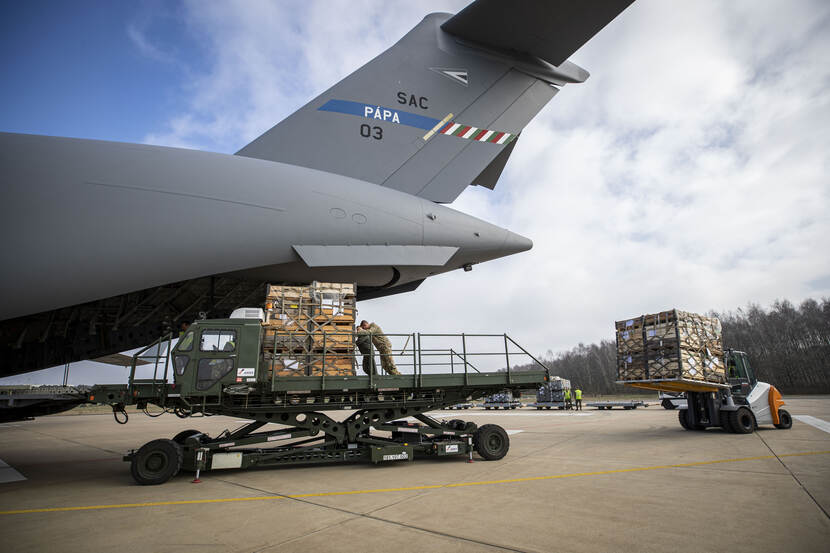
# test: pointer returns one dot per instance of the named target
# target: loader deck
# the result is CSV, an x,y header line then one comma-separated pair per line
x,y
385,416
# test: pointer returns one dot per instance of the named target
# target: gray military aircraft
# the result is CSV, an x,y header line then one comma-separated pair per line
x,y
107,245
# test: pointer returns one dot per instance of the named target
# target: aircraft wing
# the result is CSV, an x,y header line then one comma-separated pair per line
x,y
548,29
120,360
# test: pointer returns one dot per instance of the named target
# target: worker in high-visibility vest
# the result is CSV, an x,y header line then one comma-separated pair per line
x,y
578,399
568,399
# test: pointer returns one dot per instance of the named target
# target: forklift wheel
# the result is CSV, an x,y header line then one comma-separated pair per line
x,y
667,404
491,442
681,415
156,462
785,420
743,422
725,422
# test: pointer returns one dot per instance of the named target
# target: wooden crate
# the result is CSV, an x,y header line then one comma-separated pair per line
x,y
629,341
333,336
631,367
334,366
286,321
670,345
285,365
345,289
283,293
689,366
635,323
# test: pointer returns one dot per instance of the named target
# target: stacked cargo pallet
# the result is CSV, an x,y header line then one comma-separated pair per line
x,y
670,345
309,330
554,390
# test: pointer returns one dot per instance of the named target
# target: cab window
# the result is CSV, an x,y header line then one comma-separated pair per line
x,y
218,340
186,342
735,367
180,363
211,371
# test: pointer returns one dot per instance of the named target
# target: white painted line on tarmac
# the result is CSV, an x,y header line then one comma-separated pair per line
x,y
813,421
511,432
8,474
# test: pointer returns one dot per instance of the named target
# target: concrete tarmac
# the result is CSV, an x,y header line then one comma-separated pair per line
x,y
604,481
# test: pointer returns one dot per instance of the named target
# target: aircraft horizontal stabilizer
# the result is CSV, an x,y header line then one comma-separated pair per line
x,y
551,30
393,256
441,109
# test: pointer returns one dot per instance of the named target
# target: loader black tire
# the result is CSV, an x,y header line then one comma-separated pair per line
x,y
491,442
785,421
667,404
742,421
182,436
156,462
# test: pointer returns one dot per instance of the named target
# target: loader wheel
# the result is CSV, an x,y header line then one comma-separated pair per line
x,y
491,442
156,462
742,421
667,404
785,420
182,436
457,424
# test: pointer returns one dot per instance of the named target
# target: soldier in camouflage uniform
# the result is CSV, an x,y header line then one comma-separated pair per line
x,y
364,343
382,345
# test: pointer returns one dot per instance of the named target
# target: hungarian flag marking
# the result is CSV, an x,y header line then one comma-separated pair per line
x,y
474,133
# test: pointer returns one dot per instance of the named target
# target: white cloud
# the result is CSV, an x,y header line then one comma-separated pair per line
x,y
690,170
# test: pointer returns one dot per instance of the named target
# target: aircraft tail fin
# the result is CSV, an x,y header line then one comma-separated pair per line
x,y
442,108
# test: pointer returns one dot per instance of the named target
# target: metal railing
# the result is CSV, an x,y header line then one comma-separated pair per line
x,y
155,357
418,355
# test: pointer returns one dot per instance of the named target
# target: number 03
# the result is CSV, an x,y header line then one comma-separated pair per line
x,y
371,132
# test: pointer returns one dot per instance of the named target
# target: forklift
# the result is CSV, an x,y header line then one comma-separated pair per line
x,y
739,406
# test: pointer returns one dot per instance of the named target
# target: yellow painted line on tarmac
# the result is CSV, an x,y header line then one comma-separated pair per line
x,y
404,489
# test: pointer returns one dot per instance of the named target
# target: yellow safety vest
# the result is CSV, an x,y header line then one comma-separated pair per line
x,y
578,394
567,394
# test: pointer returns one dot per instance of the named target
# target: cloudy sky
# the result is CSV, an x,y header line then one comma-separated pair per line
x,y
689,171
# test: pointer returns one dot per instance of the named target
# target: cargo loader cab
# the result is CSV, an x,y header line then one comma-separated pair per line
x,y
216,353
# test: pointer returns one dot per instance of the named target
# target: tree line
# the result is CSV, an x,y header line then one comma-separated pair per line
x,y
788,346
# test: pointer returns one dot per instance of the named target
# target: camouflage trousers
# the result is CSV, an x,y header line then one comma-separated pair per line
x,y
386,360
